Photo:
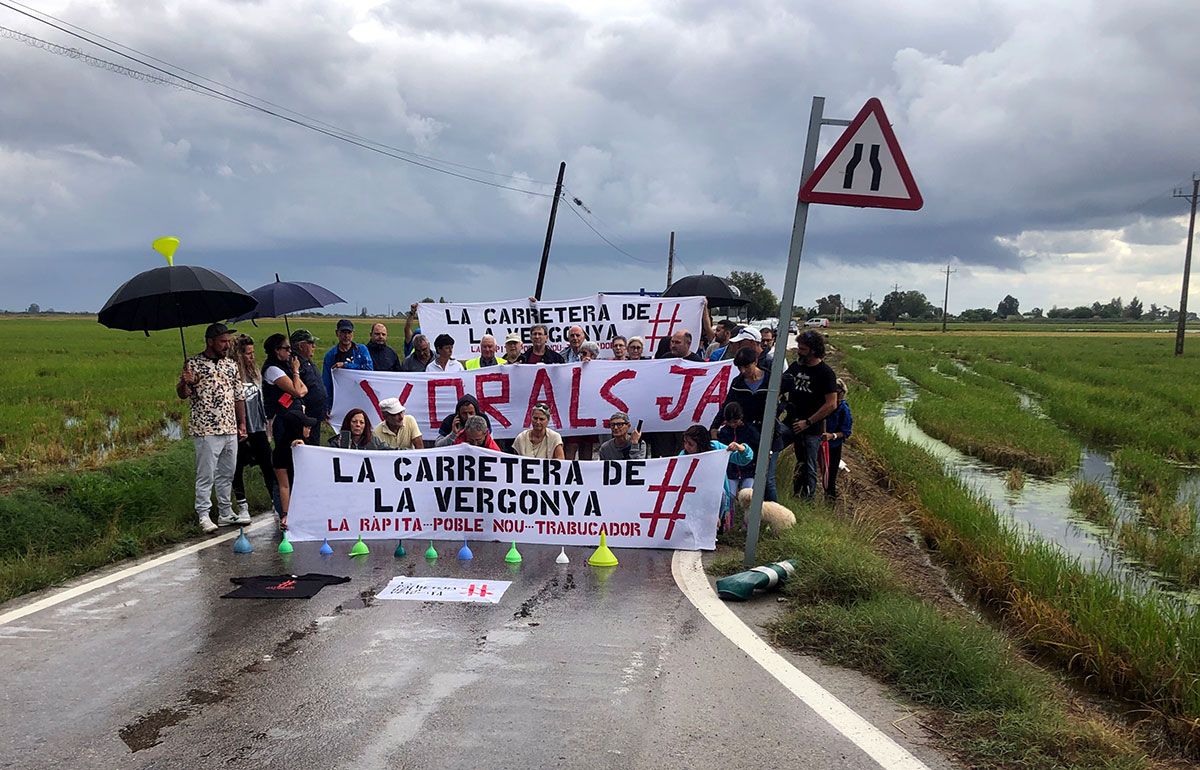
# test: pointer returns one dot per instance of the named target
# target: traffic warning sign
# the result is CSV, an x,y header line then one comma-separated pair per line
x,y
865,167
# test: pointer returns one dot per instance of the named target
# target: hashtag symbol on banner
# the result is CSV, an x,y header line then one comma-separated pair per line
x,y
664,489
654,337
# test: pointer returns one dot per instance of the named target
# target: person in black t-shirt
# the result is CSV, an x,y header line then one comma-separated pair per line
x,y
813,398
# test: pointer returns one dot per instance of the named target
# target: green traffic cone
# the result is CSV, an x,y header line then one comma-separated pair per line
x,y
603,556
430,552
359,548
400,552
285,545
513,556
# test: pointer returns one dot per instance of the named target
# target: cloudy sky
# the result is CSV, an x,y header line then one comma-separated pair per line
x,y
1046,138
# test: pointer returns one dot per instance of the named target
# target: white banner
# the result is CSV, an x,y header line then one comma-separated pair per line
x,y
467,492
669,394
440,589
601,316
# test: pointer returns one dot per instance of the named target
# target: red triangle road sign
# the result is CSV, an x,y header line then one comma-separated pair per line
x,y
865,167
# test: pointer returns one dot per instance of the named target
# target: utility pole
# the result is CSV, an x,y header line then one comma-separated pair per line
x,y
946,299
671,261
895,290
562,169
1187,264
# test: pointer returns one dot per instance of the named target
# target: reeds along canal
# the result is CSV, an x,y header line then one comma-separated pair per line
x,y
1041,505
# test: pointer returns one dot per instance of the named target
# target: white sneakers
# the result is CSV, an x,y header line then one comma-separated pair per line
x,y
206,524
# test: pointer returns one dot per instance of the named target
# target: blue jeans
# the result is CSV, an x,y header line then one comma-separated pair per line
x,y
771,494
807,448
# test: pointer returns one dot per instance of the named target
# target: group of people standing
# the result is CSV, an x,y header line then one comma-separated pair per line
x,y
246,414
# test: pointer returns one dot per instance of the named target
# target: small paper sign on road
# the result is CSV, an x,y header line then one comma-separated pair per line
x,y
865,167
435,589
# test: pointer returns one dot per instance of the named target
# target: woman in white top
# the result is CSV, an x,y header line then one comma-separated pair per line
x,y
255,449
538,440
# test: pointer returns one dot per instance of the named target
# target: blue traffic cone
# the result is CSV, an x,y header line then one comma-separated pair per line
x,y
326,548
464,553
242,544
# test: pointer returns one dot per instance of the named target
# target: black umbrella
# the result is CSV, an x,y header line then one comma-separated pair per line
x,y
283,297
179,295
718,291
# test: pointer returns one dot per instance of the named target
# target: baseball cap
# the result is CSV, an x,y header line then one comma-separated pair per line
x,y
302,335
512,337
345,325
747,333
216,330
391,406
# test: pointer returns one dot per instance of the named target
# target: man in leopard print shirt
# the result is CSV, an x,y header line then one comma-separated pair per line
x,y
218,421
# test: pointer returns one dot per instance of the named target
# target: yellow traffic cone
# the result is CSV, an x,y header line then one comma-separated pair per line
x,y
603,557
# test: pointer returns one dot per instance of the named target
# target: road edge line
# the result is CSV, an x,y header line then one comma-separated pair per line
x,y
150,563
688,571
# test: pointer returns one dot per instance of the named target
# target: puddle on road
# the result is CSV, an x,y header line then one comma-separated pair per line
x,y
1042,505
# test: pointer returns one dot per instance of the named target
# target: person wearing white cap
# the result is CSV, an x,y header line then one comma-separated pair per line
x,y
399,430
513,347
747,336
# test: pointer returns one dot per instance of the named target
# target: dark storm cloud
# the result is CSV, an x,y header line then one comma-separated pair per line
x,y
1020,120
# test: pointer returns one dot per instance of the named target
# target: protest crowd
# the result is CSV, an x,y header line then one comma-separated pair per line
x,y
250,414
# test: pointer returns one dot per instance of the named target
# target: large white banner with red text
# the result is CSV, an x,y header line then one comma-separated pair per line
x,y
467,492
668,394
601,316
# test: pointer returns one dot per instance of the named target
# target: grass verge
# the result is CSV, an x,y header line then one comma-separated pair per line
x,y
61,525
992,708
1139,646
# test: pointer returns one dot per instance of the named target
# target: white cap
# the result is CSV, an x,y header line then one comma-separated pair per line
x,y
747,333
391,406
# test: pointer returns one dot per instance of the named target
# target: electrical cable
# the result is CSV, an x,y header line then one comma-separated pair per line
x,y
206,90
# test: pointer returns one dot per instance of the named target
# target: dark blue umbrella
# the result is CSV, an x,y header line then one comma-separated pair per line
x,y
283,297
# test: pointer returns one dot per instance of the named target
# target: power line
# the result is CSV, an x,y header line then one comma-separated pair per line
x,y
572,206
334,132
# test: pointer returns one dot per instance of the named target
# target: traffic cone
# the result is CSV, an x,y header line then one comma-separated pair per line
x,y
430,552
464,553
326,548
242,544
400,552
285,545
513,556
603,556
359,548
562,556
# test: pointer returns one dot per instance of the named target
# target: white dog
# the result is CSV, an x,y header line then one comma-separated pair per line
x,y
779,517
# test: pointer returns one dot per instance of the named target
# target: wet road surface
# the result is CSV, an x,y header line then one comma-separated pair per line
x,y
575,667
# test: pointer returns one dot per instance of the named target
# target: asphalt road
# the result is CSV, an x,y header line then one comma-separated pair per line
x,y
575,667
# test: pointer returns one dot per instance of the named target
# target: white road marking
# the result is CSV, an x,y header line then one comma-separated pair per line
x,y
70,593
689,576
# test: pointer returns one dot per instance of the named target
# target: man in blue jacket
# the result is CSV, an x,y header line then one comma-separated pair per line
x,y
346,354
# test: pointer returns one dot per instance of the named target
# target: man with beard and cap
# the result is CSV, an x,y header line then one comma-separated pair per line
x,y
316,402
382,356
346,354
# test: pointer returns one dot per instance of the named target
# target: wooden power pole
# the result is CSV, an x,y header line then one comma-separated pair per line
x,y
671,261
1187,265
946,298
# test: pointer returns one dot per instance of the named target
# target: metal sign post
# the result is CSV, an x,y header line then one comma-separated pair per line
x,y
888,185
762,459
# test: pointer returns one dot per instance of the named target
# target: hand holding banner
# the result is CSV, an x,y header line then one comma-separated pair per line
x,y
601,316
467,492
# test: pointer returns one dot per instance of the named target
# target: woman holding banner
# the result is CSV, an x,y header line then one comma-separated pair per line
x,y
697,439
356,433
538,440
634,348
